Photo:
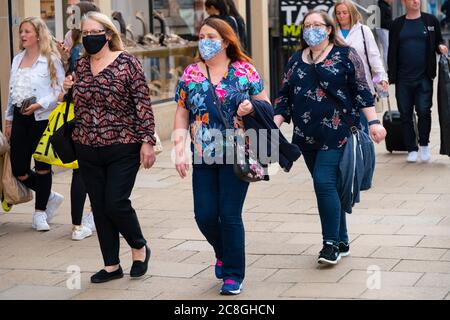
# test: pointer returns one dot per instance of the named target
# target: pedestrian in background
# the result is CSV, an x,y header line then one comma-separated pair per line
x,y
414,40
385,24
242,29
36,80
359,36
82,227
220,9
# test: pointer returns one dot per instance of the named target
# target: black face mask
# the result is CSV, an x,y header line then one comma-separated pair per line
x,y
93,44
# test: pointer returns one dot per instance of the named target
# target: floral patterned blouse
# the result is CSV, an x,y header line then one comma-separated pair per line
x,y
114,106
318,124
194,93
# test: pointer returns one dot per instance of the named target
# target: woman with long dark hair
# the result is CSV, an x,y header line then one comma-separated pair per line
x,y
242,29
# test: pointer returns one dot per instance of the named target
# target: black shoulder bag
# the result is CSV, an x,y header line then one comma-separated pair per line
x,y
61,139
366,52
246,166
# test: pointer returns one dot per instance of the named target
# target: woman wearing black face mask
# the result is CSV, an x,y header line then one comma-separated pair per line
x,y
114,135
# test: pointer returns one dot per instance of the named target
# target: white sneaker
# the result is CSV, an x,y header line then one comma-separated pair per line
x,y
81,232
40,221
54,201
412,156
424,153
88,221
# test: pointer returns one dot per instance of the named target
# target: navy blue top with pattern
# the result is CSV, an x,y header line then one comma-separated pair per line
x,y
316,118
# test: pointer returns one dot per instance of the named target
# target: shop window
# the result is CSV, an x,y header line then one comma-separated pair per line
x,y
166,44
48,14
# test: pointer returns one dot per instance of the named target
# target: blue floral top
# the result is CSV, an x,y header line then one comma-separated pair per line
x,y
194,94
317,121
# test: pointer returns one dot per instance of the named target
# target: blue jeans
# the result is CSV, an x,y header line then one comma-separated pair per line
x,y
219,197
419,94
324,168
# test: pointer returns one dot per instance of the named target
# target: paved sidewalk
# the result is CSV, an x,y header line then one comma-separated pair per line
x,y
400,240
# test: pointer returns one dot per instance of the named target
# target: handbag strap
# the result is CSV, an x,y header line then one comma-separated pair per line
x,y
68,102
366,52
353,129
217,103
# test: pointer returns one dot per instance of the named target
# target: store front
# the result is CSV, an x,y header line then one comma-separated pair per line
x,y
165,43
160,33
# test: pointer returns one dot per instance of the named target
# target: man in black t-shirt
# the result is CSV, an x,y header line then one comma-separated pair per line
x,y
414,40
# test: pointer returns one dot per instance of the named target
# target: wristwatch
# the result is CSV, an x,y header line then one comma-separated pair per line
x,y
376,121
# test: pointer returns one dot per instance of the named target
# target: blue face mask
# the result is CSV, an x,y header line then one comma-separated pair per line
x,y
315,36
209,48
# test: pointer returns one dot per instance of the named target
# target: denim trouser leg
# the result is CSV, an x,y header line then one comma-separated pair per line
x,y
218,201
324,168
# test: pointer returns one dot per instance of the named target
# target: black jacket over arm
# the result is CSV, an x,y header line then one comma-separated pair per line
x,y
435,39
263,119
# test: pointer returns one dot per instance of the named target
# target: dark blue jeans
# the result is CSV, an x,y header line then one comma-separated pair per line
x,y
324,168
219,197
419,94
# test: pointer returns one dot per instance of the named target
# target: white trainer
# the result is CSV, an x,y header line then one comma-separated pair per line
x,y
40,221
412,157
88,221
81,232
424,153
53,203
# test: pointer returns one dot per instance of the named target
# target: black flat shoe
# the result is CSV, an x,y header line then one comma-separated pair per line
x,y
139,268
104,276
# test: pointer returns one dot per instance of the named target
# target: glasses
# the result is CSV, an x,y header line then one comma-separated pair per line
x,y
92,32
314,25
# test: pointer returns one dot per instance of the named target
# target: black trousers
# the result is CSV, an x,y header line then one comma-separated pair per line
x,y
109,174
416,95
25,136
77,197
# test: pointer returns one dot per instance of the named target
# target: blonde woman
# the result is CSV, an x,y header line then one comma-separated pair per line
x,y
114,135
359,36
36,80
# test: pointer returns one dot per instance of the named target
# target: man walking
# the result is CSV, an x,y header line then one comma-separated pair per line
x,y
414,40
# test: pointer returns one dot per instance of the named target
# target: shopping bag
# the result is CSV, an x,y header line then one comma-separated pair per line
x,y
45,151
14,191
4,145
444,104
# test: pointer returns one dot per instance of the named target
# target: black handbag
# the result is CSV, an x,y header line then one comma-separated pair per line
x,y
246,165
61,139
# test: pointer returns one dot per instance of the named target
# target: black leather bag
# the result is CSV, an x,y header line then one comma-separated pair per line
x,y
61,139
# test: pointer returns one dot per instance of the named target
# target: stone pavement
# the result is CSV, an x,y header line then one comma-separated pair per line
x,y
400,240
